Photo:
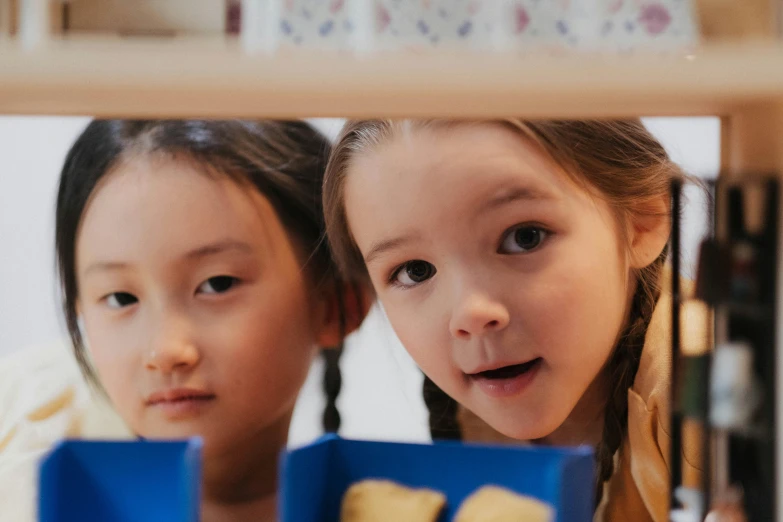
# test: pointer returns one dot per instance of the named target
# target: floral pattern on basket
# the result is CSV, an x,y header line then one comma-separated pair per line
x,y
435,23
317,23
603,25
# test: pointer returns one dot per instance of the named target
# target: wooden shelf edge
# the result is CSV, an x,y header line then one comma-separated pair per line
x,y
109,77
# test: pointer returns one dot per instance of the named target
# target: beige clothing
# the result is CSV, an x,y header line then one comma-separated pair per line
x,y
43,398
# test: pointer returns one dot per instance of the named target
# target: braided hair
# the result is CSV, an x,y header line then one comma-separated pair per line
x,y
622,366
443,410
332,381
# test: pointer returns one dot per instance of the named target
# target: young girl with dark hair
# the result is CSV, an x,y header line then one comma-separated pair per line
x,y
198,287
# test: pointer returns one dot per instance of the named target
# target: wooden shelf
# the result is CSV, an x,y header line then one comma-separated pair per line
x,y
113,77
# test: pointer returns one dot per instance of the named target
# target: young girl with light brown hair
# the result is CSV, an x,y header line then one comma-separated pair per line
x,y
522,265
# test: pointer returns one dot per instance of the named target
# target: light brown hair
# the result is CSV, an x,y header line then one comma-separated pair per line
x,y
618,161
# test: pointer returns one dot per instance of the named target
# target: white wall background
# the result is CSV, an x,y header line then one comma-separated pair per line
x,y
381,396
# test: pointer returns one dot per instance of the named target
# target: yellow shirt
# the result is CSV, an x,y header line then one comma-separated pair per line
x,y
639,488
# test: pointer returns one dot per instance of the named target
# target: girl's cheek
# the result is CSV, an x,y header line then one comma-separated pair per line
x,y
115,358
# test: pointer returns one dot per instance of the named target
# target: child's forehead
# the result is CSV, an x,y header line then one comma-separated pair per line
x,y
171,176
472,160
169,204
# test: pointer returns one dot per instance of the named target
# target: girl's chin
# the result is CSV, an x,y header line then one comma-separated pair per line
x,y
530,430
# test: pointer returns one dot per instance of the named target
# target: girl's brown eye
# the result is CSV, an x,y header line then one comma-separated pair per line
x,y
121,299
522,239
218,284
413,273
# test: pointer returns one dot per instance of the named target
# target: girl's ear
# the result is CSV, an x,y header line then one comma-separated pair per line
x,y
649,231
356,300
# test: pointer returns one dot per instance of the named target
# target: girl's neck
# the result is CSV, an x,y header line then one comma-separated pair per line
x,y
241,483
585,424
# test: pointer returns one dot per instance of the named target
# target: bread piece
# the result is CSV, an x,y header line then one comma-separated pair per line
x,y
386,501
495,504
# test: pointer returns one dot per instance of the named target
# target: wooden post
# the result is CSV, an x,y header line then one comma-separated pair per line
x,y
752,141
723,20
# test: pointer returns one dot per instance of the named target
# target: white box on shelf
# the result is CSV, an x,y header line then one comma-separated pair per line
x,y
34,22
260,20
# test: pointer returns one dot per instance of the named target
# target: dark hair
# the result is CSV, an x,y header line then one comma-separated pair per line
x,y
618,160
283,160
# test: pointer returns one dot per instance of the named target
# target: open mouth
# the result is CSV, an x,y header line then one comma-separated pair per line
x,y
508,372
509,380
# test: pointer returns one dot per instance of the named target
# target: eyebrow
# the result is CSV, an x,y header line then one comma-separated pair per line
x,y
104,266
513,195
207,250
219,247
381,247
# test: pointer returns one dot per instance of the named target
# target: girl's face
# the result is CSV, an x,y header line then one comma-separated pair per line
x,y
197,314
506,281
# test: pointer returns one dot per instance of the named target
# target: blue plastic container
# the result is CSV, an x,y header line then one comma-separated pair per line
x,y
88,481
314,478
